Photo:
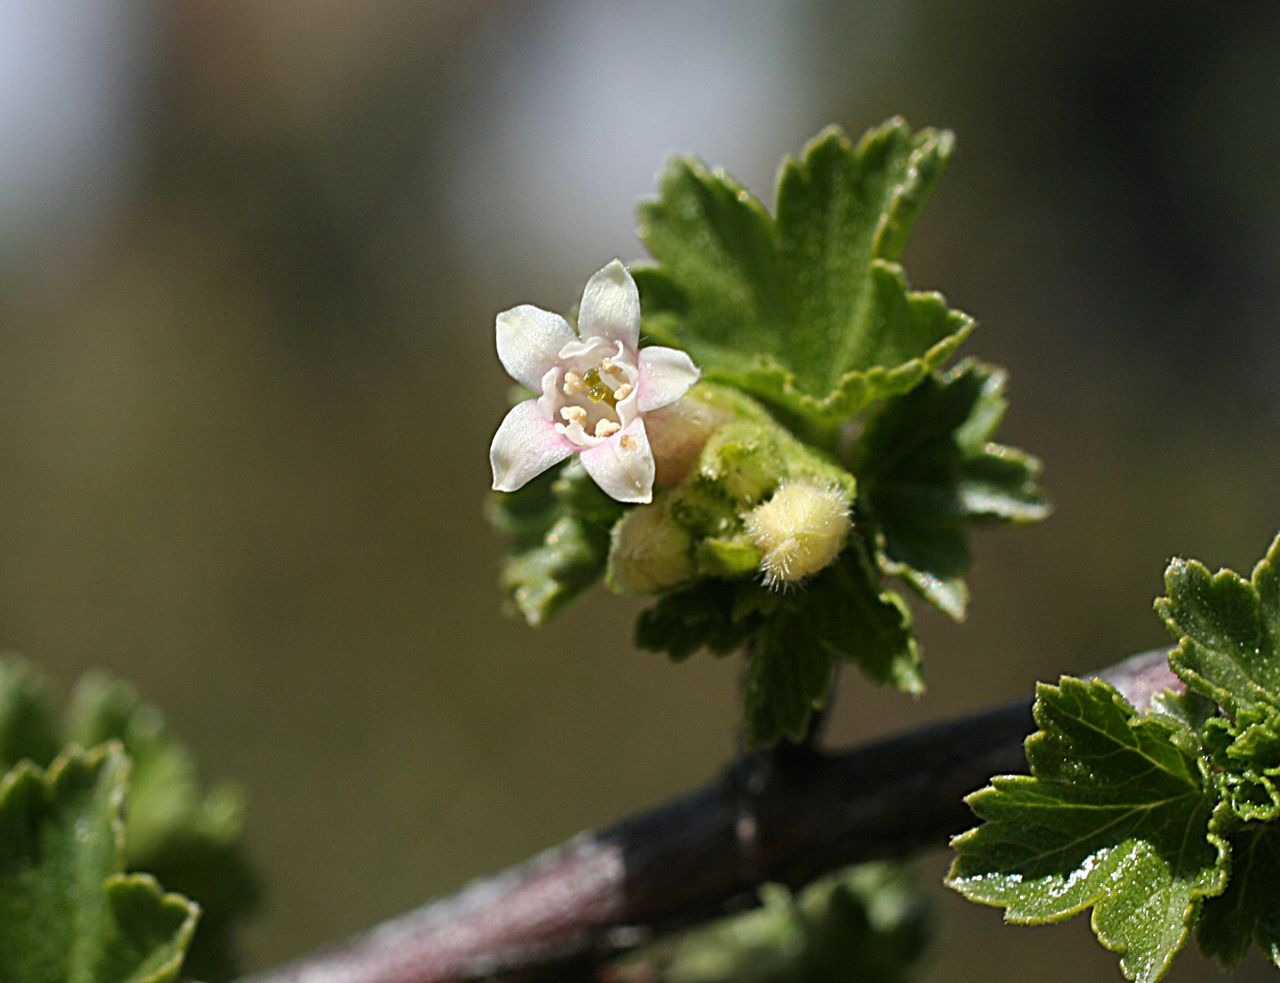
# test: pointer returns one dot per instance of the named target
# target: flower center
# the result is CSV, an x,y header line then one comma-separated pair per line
x,y
595,401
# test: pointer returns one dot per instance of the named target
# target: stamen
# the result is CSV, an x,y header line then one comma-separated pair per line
x,y
573,384
622,392
573,414
607,428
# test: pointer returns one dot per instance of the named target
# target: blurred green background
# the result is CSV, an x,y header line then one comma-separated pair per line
x,y
250,256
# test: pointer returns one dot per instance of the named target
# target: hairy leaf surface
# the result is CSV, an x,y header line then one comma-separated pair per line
x,y
1114,816
1228,630
68,913
809,311
559,528
927,469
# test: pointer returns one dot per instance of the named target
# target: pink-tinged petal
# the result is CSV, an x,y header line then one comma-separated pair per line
x,y
611,307
526,444
665,375
529,343
623,465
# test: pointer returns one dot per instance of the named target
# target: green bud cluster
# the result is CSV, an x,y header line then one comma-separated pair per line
x,y
716,522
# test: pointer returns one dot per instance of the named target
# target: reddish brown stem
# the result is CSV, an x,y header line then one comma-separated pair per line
x,y
787,815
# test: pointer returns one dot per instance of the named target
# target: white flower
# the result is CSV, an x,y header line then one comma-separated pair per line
x,y
594,387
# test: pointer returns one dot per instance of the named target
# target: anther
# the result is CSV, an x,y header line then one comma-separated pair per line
x,y
573,384
573,414
607,428
622,392
627,443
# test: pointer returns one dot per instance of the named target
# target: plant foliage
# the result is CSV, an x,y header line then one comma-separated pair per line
x,y
862,924
68,912
800,321
175,831
810,311
1161,821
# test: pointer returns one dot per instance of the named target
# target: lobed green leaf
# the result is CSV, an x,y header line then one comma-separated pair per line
x,y
68,913
559,528
1249,909
1228,630
1114,816
810,312
927,469
188,838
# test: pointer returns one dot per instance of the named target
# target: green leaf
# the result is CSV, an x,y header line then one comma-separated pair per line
x,y
810,311
1249,909
189,838
67,912
843,613
1114,816
27,728
861,925
1228,630
718,615
794,638
559,527
926,469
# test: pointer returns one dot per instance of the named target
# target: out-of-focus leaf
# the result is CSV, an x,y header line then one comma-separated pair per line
x,y
27,726
68,913
861,925
188,838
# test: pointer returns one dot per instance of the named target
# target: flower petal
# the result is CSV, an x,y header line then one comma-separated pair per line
x,y
529,343
611,307
525,445
623,465
665,375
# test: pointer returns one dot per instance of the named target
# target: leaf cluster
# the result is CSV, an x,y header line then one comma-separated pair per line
x,y
179,834
1163,821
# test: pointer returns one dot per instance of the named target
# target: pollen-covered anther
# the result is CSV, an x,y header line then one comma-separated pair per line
x,y
606,428
573,414
800,530
573,385
622,392
627,442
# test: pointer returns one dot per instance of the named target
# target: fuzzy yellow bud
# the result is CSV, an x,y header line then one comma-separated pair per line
x,y
799,530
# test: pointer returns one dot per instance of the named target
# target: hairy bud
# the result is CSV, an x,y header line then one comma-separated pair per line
x,y
799,530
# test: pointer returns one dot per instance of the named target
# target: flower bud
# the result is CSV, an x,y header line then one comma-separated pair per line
x,y
649,551
678,432
799,530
